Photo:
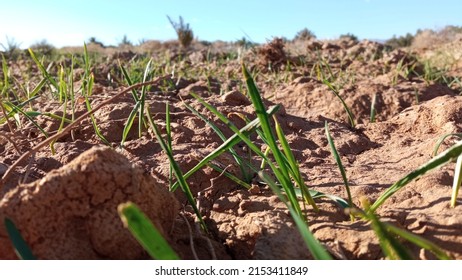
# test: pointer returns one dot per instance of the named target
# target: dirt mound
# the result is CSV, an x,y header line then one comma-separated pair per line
x,y
72,212
307,97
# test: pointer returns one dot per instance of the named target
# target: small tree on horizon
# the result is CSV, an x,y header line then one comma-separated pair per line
x,y
93,40
304,34
183,31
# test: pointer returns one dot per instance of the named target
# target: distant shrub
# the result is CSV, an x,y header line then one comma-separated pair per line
x,y
245,43
183,31
401,41
205,43
93,40
304,35
125,42
349,36
11,48
43,47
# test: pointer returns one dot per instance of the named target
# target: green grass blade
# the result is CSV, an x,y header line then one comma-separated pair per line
x,y
229,175
169,139
129,124
266,153
30,118
20,245
71,90
419,241
145,232
129,81
37,88
6,80
141,118
338,160
443,158
373,112
391,248
316,249
340,201
457,181
50,115
345,106
317,194
293,165
441,140
176,169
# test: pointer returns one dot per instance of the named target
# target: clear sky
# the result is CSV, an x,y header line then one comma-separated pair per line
x,y
64,22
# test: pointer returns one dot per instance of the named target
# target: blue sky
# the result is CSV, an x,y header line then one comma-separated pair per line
x,y
64,22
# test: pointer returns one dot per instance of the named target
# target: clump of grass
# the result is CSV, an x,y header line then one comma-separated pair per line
x,y
230,142
244,166
68,128
145,232
284,166
183,31
87,90
139,102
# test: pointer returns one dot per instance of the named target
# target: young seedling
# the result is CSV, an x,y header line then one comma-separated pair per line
x,y
388,234
345,106
339,164
373,111
68,128
441,140
282,170
176,169
451,154
240,135
316,249
247,176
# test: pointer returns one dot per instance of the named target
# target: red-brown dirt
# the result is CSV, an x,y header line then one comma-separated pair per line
x,y
61,219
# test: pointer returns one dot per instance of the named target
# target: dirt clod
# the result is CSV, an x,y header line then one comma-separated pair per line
x,y
71,213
